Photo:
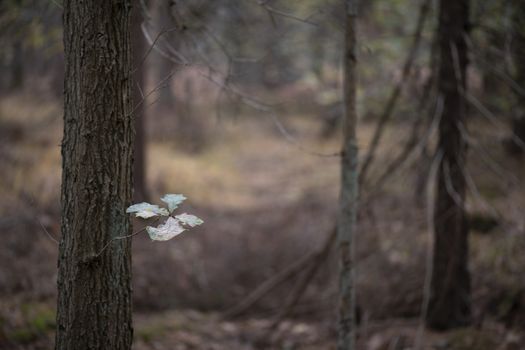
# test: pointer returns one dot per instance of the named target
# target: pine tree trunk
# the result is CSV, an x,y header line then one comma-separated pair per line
x,y
94,284
349,189
517,143
449,304
162,66
17,66
140,193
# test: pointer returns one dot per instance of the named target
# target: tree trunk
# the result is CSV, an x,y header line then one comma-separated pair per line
x,y
517,143
17,66
94,281
162,66
140,193
449,304
349,189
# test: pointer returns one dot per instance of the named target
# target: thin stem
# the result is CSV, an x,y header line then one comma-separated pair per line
x,y
124,237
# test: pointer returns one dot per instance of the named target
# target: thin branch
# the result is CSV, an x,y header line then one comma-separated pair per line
x,y
272,10
181,60
412,147
476,103
486,157
495,70
261,107
485,112
123,237
162,84
415,151
266,287
289,137
471,184
225,84
303,283
152,44
456,197
46,231
32,203
59,5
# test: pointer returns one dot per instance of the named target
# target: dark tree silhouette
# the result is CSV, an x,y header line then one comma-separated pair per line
x,y
449,304
349,187
517,144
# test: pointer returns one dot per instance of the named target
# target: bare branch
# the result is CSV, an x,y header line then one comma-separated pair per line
x,y
271,10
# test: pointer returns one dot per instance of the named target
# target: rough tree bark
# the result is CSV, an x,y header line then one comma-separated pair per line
x,y
349,187
449,304
140,193
94,284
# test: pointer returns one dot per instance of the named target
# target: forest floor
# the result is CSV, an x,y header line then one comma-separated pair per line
x,y
266,203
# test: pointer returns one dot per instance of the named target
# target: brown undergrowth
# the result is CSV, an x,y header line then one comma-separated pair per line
x,y
265,204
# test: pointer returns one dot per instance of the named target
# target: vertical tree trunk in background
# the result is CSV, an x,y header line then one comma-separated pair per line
x,y
94,285
162,66
140,193
449,304
349,189
518,123
17,66
318,51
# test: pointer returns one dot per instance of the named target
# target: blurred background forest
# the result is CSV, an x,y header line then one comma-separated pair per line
x,y
241,112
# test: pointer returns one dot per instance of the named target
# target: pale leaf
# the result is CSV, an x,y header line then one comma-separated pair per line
x,y
173,200
145,210
190,220
166,231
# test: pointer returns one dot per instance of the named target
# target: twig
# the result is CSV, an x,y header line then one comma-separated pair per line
x,y
415,151
272,10
413,145
123,237
46,231
174,56
57,4
475,191
490,117
294,141
261,107
486,158
162,84
268,286
476,103
180,59
456,197
152,44
494,69
301,286
32,203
